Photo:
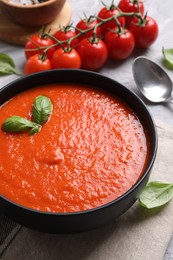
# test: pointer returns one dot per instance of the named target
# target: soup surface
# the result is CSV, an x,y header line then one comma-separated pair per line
x,y
92,149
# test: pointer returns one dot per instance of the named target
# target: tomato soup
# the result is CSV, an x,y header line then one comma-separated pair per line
x,y
92,149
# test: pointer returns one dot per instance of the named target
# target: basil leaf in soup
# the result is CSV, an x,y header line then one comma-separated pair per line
x,y
35,129
42,108
17,124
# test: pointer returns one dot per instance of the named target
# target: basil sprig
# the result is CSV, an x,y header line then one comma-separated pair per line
x,y
42,108
168,58
7,65
156,194
18,124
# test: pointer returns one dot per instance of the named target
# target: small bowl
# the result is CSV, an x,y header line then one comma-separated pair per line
x,y
32,14
88,219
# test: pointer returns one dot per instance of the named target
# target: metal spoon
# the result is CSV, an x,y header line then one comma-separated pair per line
x,y
153,82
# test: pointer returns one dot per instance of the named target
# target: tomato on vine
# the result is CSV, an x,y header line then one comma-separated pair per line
x,y
145,31
86,24
120,45
66,58
36,44
131,6
93,53
93,39
37,63
108,12
65,33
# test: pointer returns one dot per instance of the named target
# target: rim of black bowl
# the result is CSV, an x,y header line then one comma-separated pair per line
x,y
31,77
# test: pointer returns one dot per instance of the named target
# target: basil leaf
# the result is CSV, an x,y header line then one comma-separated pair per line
x,y
42,108
35,130
17,124
168,57
7,65
156,194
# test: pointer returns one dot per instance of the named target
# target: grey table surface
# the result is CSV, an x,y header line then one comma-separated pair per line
x,y
162,11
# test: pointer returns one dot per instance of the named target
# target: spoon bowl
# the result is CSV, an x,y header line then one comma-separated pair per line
x,y
152,81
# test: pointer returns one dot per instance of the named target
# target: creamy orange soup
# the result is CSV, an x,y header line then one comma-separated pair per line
x,y
92,149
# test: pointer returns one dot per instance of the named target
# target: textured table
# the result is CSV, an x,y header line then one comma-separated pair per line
x,y
145,236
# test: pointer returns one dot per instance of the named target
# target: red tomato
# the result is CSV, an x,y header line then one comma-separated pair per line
x,y
129,6
93,53
145,33
36,64
120,46
87,24
107,13
37,44
64,34
66,59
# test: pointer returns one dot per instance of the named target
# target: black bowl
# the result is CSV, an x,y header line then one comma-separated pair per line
x,y
89,219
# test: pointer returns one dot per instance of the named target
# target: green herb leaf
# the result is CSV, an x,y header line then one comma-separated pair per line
x,y
17,124
7,65
156,194
42,108
35,129
168,57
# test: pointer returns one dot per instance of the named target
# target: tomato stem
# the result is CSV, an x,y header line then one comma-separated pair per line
x,y
112,6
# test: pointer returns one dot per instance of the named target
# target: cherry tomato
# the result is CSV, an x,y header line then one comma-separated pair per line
x,y
87,24
93,53
129,6
119,45
37,44
66,59
64,34
145,32
36,63
105,13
